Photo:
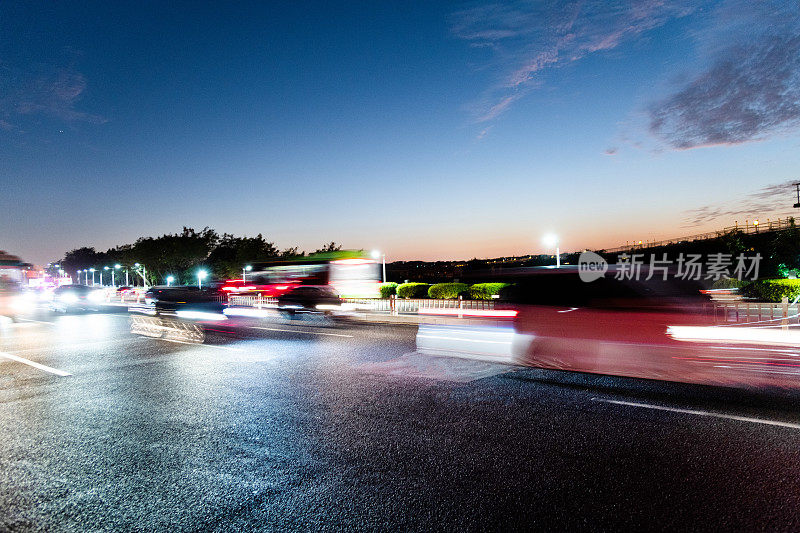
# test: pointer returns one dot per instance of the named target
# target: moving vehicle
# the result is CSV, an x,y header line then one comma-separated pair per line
x,y
69,298
309,299
11,297
184,301
651,329
349,274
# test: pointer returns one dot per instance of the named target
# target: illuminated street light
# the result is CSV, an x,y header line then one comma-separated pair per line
x,y
245,270
142,272
375,255
170,279
201,275
118,266
551,240
92,271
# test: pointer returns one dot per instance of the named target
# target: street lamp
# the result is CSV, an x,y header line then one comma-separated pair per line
x,y
170,279
375,255
79,275
201,275
92,271
245,270
143,273
551,240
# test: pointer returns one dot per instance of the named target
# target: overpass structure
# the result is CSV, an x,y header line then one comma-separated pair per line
x,y
754,227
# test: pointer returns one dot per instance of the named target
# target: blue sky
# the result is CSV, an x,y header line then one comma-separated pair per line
x,y
429,130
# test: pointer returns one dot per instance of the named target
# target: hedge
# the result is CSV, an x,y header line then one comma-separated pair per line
x,y
485,291
772,290
729,283
388,289
412,290
447,291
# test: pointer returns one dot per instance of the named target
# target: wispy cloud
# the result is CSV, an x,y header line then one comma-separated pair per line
x,y
527,37
774,200
42,90
750,89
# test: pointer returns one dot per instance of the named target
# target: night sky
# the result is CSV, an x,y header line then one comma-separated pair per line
x,y
427,130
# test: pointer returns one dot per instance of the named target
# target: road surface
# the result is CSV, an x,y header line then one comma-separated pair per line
x,y
299,427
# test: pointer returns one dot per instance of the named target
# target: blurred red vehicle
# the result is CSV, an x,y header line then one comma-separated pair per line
x,y
654,329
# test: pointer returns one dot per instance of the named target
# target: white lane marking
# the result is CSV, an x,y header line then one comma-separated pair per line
x,y
301,331
703,413
72,345
204,345
28,362
35,321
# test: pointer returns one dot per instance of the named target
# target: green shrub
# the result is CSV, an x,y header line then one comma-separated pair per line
x,y
388,289
772,290
448,291
485,291
729,283
412,290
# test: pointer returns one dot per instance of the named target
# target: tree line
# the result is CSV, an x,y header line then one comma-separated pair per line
x,y
181,255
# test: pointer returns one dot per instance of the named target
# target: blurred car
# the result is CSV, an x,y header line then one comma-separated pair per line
x,y
652,329
309,299
10,297
123,290
69,298
188,302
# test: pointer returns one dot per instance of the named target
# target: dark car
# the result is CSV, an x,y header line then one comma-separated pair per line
x,y
309,298
189,301
69,298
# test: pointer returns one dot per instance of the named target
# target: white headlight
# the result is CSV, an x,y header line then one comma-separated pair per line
x,y
68,297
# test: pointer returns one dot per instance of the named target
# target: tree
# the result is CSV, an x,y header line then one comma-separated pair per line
x,y
80,259
330,247
294,251
231,254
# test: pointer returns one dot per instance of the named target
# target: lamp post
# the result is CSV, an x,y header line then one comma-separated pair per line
x,y
375,255
92,271
116,267
551,240
142,273
170,279
245,270
201,275
79,275
112,276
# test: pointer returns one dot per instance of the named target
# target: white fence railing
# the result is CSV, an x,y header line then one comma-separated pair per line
x,y
251,301
749,312
396,305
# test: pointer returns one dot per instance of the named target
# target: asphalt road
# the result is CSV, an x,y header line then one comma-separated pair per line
x,y
300,427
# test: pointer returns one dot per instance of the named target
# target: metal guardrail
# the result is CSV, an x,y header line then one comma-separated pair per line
x,y
396,305
744,312
769,225
256,300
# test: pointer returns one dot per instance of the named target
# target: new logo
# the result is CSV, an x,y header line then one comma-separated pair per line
x,y
591,266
